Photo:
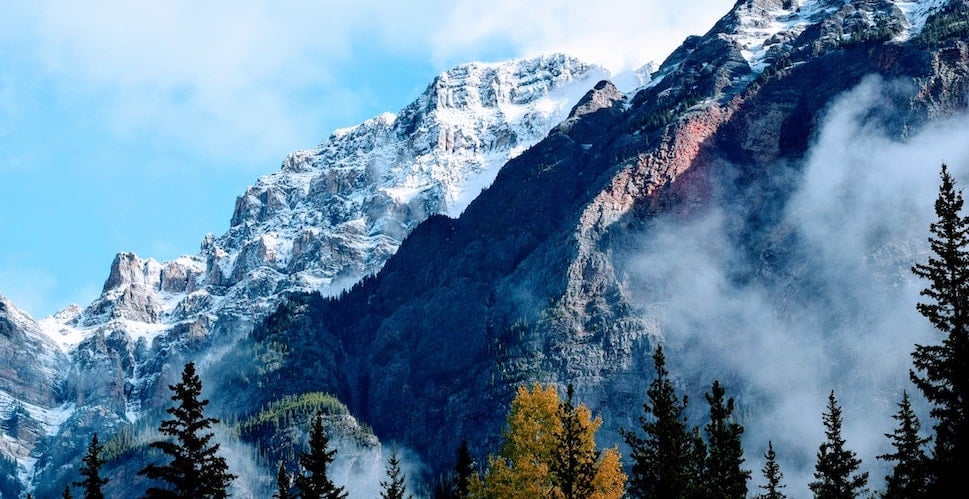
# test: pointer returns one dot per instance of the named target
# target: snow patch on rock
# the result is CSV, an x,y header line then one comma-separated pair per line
x,y
917,12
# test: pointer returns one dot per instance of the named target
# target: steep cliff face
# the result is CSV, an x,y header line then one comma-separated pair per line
x,y
31,382
334,213
469,308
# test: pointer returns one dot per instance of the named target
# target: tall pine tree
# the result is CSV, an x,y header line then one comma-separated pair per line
x,y
943,369
92,482
909,478
396,485
724,475
456,483
773,475
836,471
464,470
284,483
696,466
665,455
196,470
314,483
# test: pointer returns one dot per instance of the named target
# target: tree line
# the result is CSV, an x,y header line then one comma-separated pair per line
x,y
548,447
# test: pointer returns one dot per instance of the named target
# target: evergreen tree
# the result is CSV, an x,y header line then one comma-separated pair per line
x,y
284,484
444,487
196,470
67,492
724,475
909,478
456,483
91,471
665,458
835,473
697,488
314,482
464,469
943,370
395,487
773,475
574,462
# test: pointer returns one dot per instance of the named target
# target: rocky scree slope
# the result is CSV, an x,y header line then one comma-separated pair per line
x,y
330,216
431,348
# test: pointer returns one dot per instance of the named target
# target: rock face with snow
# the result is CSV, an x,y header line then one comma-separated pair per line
x,y
31,362
335,213
31,379
328,217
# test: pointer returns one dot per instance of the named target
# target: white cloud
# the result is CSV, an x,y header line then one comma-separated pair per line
x,y
619,35
237,79
229,78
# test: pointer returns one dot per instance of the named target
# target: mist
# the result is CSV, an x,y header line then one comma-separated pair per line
x,y
360,470
833,308
361,459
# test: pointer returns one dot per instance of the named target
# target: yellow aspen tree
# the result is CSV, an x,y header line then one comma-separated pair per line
x,y
610,481
521,468
532,446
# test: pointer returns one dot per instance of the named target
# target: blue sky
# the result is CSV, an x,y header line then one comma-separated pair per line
x,y
132,126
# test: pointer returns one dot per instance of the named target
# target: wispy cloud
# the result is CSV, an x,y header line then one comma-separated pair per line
x,y
237,79
619,35
232,79
837,310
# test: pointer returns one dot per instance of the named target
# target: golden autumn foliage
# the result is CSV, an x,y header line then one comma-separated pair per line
x,y
610,481
524,466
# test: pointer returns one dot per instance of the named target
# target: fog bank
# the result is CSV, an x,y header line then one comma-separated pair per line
x,y
829,305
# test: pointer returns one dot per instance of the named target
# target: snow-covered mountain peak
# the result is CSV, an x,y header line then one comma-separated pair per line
x,y
361,191
763,32
334,213
67,313
17,316
723,107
